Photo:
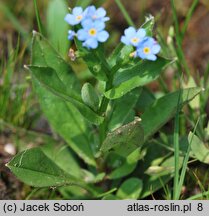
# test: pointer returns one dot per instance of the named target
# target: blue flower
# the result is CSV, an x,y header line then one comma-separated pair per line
x,y
96,14
71,35
132,36
76,17
92,33
148,49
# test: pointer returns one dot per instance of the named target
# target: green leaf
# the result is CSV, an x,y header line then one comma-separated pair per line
x,y
130,189
82,3
156,168
163,109
63,157
33,167
90,96
127,166
50,80
124,139
95,61
145,99
123,57
57,28
110,197
195,104
155,180
149,25
138,75
199,149
114,55
73,192
44,55
62,116
67,121
153,183
123,109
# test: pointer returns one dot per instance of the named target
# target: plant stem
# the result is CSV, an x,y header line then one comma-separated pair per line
x,y
188,17
179,50
102,111
32,193
199,196
176,149
125,13
186,159
38,18
105,101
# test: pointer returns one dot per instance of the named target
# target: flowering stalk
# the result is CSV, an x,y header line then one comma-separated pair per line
x,y
90,24
146,47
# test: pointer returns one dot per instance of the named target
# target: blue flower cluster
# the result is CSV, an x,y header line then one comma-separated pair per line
x,y
146,47
91,25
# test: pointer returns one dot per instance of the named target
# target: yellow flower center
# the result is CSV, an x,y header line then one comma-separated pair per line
x,y
79,17
135,40
146,50
92,32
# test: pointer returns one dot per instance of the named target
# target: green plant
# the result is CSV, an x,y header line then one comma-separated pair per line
x,y
101,125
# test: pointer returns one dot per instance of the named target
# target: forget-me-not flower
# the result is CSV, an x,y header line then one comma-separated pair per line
x,y
92,33
148,49
71,34
96,14
76,17
132,36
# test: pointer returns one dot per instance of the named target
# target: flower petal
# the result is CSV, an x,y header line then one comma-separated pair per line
x,y
77,11
87,24
99,25
90,11
141,33
125,40
151,57
105,19
91,43
130,32
102,36
71,35
101,12
156,49
70,19
141,54
150,41
82,35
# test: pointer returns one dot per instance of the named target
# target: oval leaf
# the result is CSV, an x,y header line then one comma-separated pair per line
x,y
138,75
33,167
149,25
49,79
55,74
89,96
128,166
125,114
125,139
67,121
163,109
